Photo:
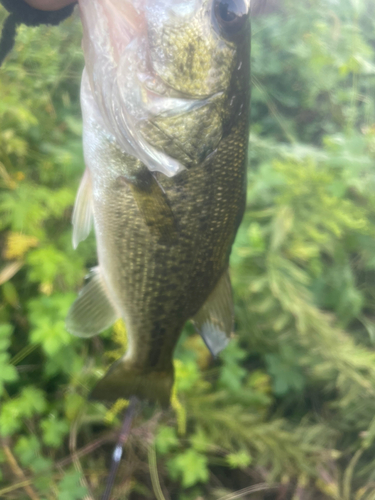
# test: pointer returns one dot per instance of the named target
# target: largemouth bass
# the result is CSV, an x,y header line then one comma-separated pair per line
x,y
165,104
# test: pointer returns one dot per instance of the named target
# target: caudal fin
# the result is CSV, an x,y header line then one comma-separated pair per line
x,y
124,381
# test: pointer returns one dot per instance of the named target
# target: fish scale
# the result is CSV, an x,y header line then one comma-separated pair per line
x,y
164,241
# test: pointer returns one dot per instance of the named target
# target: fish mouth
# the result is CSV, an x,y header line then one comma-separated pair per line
x,y
112,31
125,22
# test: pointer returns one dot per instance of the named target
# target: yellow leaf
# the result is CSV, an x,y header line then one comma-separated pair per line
x,y
20,176
120,337
115,409
46,288
18,244
180,412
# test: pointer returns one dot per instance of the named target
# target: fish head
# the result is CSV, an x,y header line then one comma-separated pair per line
x,y
156,67
193,43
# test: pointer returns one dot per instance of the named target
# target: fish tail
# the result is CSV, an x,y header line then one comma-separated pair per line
x,y
123,380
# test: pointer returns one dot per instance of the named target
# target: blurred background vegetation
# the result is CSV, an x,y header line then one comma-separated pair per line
x,y
288,412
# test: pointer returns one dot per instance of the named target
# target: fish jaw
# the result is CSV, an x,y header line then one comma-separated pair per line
x,y
108,28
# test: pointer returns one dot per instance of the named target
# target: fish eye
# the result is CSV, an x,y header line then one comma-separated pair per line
x,y
231,16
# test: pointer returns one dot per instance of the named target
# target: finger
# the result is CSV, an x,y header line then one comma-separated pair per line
x,y
49,4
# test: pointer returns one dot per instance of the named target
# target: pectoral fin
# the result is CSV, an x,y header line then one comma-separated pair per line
x,y
82,213
154,206
215,320
92,312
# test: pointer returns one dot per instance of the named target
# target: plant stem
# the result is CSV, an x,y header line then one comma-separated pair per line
x,y
18,472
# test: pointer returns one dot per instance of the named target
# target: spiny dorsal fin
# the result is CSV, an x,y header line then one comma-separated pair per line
x,y
215,319
83,210
92,312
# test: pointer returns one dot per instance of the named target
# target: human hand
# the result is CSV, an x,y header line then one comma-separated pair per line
x,y
49,4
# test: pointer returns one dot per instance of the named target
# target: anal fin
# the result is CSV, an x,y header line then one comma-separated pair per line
x,y
215,320
92,312
154,206
83,210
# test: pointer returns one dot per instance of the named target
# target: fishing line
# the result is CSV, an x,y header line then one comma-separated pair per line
x,y
130,414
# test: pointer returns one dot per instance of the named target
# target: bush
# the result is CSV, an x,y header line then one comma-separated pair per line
x,y
289,409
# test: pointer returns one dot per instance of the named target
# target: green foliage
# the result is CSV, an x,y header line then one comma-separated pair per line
x,y
292,398
28,403
69,487
166,439
54,431
285,371
241,459
8,373
190,466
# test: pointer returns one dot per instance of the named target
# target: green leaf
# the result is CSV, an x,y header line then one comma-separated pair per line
x,y
54,431
7,373
27,449
186,375
41,464
166,439
200,441
240,460
190,466
69,487
287,375
32,401
232,373
47,315
73,404
10,417
6,331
